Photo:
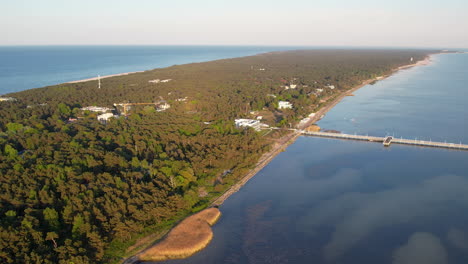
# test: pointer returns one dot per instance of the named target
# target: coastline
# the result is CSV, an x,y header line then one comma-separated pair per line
x,y
318,115
266,158
290,138
103,77
278,147
196,231
285,141
418,63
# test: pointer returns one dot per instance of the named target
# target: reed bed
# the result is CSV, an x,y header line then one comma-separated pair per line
x,y
188,237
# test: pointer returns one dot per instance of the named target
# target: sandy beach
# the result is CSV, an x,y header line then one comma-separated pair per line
x,y
103,77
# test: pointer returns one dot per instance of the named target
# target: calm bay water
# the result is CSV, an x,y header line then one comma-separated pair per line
x,y
334,201
427,102
26,67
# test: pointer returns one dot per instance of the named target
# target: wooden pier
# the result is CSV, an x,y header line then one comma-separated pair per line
x,y
386,141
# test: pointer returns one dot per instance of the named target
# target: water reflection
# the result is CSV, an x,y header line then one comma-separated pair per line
x,y
458,239
369,207
421,248
357,216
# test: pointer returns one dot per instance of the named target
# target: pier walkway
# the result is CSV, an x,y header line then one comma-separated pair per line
x,y
387,140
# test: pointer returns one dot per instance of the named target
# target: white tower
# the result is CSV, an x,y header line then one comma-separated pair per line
x,y
99,81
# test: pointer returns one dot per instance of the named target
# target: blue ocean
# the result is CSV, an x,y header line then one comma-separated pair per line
x,y
27,67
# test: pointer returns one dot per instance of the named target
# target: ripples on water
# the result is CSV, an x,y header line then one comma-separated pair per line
x,y
332,201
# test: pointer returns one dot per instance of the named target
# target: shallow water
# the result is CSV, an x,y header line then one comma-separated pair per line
x,y
336,201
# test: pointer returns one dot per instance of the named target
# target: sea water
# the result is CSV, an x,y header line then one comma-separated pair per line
x,y
26,67
338,201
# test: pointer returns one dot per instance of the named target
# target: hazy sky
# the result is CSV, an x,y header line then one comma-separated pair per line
x,y
412,23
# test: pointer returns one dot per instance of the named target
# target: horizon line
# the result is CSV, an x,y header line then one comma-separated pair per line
x,y
227,45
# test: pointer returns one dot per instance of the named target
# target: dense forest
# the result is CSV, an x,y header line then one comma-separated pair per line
x,y
76,190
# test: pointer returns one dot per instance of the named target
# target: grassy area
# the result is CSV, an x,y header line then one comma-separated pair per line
x,y
119,250
190,236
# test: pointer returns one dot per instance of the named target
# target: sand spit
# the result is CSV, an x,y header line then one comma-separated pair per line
x,y
190,236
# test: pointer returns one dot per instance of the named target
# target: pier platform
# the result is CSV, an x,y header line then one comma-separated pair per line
x,y
386,141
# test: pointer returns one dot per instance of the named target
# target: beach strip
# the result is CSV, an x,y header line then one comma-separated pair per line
x,y
103,77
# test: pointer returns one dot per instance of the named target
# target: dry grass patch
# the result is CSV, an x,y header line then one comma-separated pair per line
x,y
190,236
313,128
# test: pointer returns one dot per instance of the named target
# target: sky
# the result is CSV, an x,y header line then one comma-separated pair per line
x,y
386,23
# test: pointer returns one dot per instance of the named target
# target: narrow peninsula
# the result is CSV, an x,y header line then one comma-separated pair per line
x,y
98,171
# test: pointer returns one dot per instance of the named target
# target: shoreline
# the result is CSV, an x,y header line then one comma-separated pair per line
x,y
418,63
329,105
196,231
266,158
289,139
103,77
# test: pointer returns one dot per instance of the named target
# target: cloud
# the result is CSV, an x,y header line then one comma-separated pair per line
x,y
356,215
458,238
421,248
299,191
330,212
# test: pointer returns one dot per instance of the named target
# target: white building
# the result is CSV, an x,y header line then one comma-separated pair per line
x,y
331,86
284,105
163,107
293,86
319,90
97,109
255,124
303,121
105,117
159,81
5,99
